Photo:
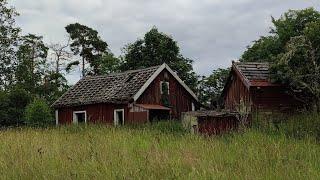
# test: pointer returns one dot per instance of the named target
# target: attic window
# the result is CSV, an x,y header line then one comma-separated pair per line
x,y
164,87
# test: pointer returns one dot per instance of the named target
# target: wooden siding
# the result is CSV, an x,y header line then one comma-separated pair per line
x,y
138,117
273,99
96,113
180,100
212,125
236,91
264,98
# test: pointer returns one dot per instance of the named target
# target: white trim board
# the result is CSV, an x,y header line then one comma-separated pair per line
x,y
155,75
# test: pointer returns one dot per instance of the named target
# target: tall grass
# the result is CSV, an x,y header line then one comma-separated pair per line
x,y
153,152
304,125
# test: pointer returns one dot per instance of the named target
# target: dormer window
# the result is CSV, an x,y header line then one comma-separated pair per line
x,y
164,87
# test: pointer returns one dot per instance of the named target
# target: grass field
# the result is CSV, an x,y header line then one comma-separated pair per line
x,y
153,152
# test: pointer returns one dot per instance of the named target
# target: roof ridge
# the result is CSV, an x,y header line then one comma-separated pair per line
x,y
266,63
122,73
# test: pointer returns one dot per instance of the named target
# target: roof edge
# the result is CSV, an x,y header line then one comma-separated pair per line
x,y
155,74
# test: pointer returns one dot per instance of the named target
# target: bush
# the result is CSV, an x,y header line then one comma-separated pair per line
x,y
38,113
12,106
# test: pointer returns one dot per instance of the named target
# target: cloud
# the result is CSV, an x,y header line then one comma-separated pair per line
x,y
212,32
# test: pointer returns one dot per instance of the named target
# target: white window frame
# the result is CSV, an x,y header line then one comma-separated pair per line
x,y
75,120
115,116
193,107
168,85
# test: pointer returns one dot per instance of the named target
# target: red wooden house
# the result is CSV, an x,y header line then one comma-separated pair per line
x,y
134,96
250,83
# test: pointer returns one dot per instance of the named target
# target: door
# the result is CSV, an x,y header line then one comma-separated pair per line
x,y
119,117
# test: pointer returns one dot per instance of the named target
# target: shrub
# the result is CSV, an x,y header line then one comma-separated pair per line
x,y
38,113
12,106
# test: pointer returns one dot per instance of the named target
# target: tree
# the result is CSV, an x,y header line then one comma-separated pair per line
x,y
9,34
12,106
32,54
109,64
293,48
299,66
212,86
87,43
155,49
290,24
60,53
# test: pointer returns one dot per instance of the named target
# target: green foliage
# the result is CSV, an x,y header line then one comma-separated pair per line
x,y
88,44
290,24
100,152
55,84
302,126
155,49
299,126
12,106
38,113
108,63
211,87
294,51
265,49
32,54
9,34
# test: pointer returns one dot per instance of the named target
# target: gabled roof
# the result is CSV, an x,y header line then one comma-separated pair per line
x,y
114,88
253,74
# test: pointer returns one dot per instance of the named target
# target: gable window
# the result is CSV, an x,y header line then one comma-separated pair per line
x,y
79,117
164,87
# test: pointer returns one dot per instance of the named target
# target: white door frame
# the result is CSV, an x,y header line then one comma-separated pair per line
x,y
115,116
75,120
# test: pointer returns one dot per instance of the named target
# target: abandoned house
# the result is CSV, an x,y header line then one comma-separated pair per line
x,y
249,85
135,96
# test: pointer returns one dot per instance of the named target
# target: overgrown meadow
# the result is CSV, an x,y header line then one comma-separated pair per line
x,y
157,151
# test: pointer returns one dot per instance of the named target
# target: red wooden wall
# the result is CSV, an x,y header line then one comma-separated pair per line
x,y
270,98
273,99
217,125
236,91
180,99
102,113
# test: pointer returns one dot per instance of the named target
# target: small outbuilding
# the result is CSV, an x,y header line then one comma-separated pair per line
x,y
249,84
135,96
210,122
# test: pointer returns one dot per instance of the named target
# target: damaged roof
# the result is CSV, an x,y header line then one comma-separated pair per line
x,y
254,73
117,88
112,88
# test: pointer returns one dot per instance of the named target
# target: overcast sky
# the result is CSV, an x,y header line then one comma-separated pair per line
x,y
212,32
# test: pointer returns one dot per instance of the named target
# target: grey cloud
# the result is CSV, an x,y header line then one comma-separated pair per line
x,y
212,32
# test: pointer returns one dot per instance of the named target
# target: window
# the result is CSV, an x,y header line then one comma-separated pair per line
x,y
118,117
164,87
79,117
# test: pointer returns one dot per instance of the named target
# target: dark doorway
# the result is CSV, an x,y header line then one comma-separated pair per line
x,y
157,115
119,117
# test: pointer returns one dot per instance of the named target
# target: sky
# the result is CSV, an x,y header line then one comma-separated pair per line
x,y
211,32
